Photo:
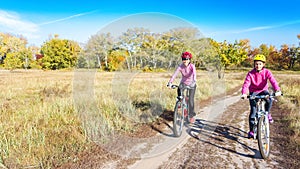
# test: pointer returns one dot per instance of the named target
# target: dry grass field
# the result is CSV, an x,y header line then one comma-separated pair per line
x,y
47,117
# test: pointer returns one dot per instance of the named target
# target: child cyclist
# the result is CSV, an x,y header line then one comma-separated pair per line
x,y
188,72
256,83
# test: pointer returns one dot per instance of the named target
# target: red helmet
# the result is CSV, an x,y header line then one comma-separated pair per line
x,y
186,55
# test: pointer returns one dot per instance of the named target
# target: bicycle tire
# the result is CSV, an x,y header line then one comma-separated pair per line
x,y
264,137
178,119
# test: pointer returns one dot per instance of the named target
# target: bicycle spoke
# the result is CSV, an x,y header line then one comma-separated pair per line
x,y
178,119
263,137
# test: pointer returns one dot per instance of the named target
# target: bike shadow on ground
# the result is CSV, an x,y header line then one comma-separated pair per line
x,y
218,134
163,126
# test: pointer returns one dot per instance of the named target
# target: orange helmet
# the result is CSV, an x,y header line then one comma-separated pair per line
x,y
186,55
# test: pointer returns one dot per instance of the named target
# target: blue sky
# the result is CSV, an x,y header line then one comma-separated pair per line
x,y
265,21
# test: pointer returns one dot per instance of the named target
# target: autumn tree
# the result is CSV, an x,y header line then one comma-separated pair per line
x,y
227,54
156,49
116,59
13,52
279,59
97,48
274,59
294,54
185,39
132,41
59,54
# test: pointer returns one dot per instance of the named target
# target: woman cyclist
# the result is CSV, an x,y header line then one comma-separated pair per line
x,y
188,72
256,83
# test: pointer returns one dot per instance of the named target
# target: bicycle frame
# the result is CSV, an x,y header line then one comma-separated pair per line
x,y
261,125
181,110
260,111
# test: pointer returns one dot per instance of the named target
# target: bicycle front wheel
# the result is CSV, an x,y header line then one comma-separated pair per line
x,y
264,137
178,119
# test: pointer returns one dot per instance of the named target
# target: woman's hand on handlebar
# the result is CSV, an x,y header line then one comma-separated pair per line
x,y
243,96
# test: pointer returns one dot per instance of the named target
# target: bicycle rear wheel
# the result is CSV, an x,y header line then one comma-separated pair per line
x,y
178,119
264,137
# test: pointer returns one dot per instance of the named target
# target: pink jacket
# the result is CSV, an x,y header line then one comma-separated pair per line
x,y
258,81
188,74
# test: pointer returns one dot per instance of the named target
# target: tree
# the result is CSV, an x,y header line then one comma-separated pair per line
x,y
293,54
155,47
132,41
187,39
274,59
164,49
59,54
228,54
179,40
82,61
173,48
115,59
13,52
97,48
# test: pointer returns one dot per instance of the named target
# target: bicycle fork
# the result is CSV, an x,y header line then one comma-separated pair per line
x,y
265,124
255,126
185,106
259,108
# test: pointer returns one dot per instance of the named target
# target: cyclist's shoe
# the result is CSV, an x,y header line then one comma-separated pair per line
x,y
192,114
192,120
270,118
251,134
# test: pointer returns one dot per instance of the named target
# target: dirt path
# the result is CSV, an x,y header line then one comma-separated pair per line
x,y
203,125
218,139
223,143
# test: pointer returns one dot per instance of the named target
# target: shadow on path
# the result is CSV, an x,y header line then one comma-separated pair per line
x,y
221,136
164,122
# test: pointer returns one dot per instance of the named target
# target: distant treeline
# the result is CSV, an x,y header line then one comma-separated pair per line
x,y
140,49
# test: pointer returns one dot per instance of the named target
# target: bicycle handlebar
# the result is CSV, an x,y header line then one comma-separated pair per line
x,y
263,96
176,86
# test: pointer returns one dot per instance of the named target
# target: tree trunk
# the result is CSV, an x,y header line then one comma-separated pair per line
x,y
221,72
105,60
128,64
99,62
141,62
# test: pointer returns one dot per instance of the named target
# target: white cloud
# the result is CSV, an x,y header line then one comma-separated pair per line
x,y
11,23
258,28
253,29
67,18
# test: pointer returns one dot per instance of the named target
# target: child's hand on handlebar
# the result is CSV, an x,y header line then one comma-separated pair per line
x,y
278,93
243,96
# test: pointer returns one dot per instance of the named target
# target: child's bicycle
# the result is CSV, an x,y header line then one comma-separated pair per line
x,y
181,110
261,127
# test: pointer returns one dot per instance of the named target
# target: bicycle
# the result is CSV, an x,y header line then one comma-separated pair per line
x,y
181,110
261,126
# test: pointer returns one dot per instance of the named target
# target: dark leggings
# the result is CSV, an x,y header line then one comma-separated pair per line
x,y
191,104
252,114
